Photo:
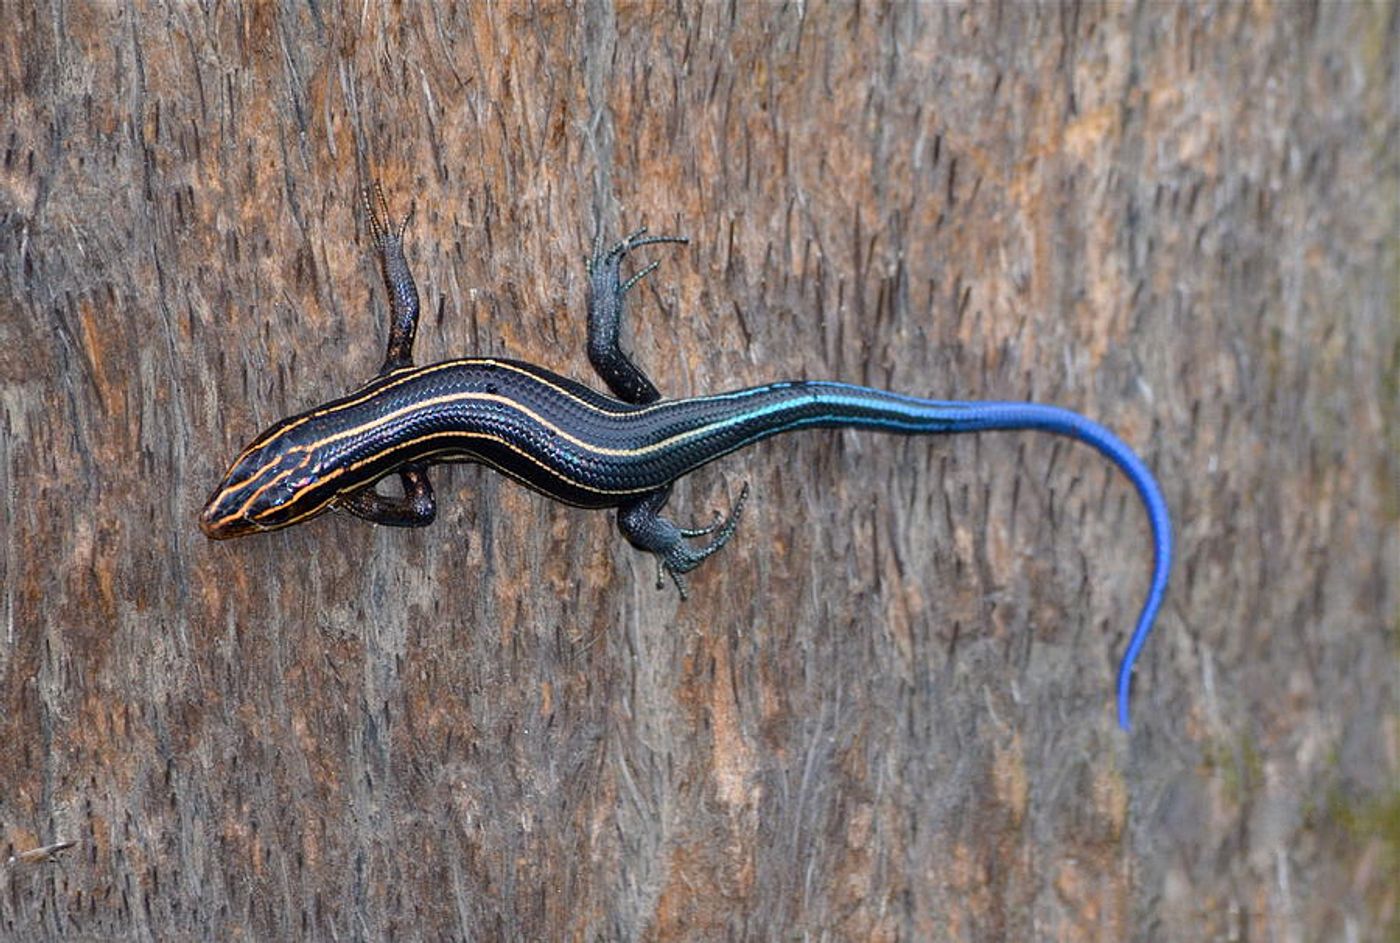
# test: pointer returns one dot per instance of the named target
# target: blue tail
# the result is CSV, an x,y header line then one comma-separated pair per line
x,y
1063,422
876,409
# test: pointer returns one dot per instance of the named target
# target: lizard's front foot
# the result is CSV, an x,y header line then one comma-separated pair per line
x,y
604,268
606,292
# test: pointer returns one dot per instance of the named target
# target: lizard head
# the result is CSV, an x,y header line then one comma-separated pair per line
x,y
275,482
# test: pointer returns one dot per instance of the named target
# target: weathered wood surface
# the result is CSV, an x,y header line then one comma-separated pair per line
x,y
886,711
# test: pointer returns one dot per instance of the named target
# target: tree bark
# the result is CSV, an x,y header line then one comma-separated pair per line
x,y
886,710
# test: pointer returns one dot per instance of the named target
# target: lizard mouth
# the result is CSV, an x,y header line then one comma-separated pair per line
x,y
219,525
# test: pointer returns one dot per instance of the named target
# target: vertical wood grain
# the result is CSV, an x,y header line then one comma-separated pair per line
x,y
886,711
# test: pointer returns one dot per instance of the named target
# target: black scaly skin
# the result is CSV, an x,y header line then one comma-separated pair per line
x,y
640,521
582,447
417,507
638,489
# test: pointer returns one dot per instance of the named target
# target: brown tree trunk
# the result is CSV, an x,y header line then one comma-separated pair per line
x,y
886,710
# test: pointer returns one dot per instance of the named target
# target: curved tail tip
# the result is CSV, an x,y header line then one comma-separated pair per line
x,y
1125,681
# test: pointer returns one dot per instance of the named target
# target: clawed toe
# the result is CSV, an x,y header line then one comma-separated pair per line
x,y
613,257
704,530
634,240
379,218
680,558
723,524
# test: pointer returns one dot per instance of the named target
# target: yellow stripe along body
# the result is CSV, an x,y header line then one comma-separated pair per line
x,y
555,435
